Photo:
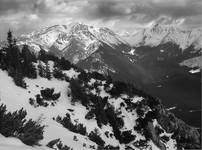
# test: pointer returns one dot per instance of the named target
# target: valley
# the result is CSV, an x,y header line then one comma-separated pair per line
x,y
154,61
128,93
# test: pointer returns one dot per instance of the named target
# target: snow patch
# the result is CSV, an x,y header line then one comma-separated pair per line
x,y
71,73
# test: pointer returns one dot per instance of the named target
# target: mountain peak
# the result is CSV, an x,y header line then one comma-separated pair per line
x,y
159,34
77,39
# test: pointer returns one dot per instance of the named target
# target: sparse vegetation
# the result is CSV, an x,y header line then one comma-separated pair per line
x,y
45,98
68,124
95,137
15,125
22,63
57,144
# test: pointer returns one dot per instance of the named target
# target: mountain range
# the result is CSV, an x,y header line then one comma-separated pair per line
x,y
48,103
77,42
58,94
160,34
154,58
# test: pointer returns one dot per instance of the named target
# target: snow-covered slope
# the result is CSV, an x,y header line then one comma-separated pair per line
x,y
11,143
126,130
160,34
53,129
74,41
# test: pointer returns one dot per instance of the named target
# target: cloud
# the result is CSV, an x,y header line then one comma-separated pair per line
x,y
117,14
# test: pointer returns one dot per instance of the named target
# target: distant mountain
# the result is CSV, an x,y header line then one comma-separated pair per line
x,y
75,41
161,34
102,50
94,49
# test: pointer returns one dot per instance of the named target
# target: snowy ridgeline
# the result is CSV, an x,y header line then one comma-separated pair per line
x,y
127,110
160,34
66,38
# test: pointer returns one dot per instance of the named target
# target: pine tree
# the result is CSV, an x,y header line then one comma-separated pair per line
x,y
18,79
48,73
57,73
42,55
65,64
41,69
28,68
2,59
32,71
9,48
13,56
10,39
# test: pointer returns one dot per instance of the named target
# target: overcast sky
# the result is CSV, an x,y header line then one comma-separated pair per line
x,y
23,16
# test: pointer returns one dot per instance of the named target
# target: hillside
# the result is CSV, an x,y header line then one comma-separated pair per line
x,y
157,63
73,109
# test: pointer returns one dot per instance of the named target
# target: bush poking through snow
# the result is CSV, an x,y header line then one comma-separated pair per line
x,y
15,125
48,94
77,92
32,133
95,137
46,98
57,73
67,123
52,143
58,145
